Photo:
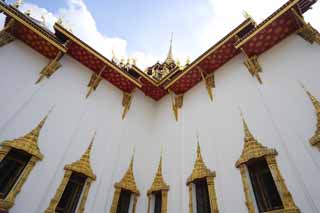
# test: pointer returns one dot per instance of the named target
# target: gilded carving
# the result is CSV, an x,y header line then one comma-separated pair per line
x,y
315,139
253,66
127,183
95,81
177,103
50,68
81,166
28,144
126,103
200,171
209,82
306,31
5,36
159,185
252,150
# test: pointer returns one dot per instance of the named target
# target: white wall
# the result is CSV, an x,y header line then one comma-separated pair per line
x,y
278,112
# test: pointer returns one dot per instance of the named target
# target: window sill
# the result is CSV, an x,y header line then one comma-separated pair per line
x,y
292,210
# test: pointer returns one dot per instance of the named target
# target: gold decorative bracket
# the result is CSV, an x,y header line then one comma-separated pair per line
x,y
95,81
5,36
253,66
306,31
315,139
177,103
209,81
126,103
50,68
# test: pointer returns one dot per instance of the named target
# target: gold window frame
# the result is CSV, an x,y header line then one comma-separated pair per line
x,y
254,150
29,144
200,171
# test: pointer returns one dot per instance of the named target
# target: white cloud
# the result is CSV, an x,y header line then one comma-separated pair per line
x,y
228,14
79,19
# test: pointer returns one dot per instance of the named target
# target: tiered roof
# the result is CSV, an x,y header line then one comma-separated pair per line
x,y
251,38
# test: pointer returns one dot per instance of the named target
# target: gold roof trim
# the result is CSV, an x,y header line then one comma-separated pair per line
x,y
200,170
211,50
158,182
252,148
83,165
28,142
78,41
128,181
265,23
14,13
315,139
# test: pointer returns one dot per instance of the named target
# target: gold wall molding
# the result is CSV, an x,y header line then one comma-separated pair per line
x,y
83,167
253,150
315,139
126,183
29,144
209,82
253,65
306,31
50,68
159,184
126,103
201,171
177,103
95,81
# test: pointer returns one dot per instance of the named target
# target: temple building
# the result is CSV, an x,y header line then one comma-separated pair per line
x,y
236,130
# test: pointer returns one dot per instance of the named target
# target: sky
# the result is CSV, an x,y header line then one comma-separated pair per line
x,y
142,29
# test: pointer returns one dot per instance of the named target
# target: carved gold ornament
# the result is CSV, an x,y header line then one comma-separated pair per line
x,y
159,185
5,36
126,103
315,139
306,31
126,183
253,66
177,103
81,166
95,81
28,144
201,171
50,68
209,82
252,150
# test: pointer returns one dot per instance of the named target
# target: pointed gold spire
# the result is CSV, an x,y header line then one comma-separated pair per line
x,y
29,142
252,148
126,103
83,165
169,58
128,181
200,170
315,139
158,182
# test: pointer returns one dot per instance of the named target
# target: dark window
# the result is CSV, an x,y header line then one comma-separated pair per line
x,y
265,190
157,202
71,195
202,196
124,201
11,168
